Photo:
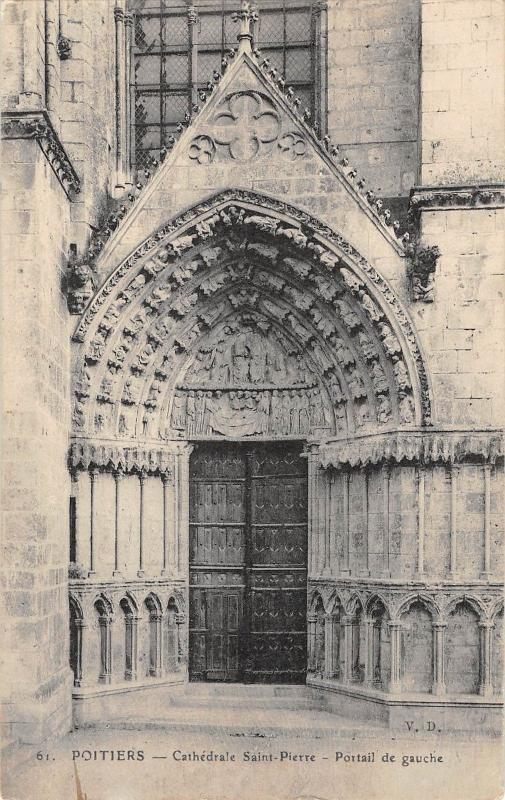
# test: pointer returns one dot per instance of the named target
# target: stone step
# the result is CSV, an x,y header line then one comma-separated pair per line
x,y
241,701
249,690
248,722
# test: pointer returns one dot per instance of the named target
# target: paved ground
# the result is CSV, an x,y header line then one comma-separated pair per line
x,y
266,754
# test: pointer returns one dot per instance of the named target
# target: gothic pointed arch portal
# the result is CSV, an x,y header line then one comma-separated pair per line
x,y
245,317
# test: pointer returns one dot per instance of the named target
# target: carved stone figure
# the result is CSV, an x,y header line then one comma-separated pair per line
x,y
384,411
391,343
367,347
135,325
351,281
301,268
401,374
105,392
371,308
263,223
134,287
178,417
96,348
379,378
81,286
355,383
406,409
158,296
131,392
83,383
79,416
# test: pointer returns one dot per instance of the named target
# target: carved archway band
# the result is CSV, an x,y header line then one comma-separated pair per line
x,y
250,310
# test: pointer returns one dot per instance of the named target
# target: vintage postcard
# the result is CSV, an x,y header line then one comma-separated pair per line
x,y
253,399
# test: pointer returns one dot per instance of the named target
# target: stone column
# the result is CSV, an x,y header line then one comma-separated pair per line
x,y
421,484
81,525
311,642
322,488
104,625
156,620
396,632
182,528
120,93
486,572
332,526
366,504
348,632
313,511
167,479
329,632
80,626
182,639
346,565
386,543
369,651
453,557
128,26
131,624
89,652
486,682
142,479
118,477
439,658
93,474
193,43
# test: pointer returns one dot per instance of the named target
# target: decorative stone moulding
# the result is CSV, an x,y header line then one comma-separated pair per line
x,y
424,447
428,198
396,599
37,125
86,455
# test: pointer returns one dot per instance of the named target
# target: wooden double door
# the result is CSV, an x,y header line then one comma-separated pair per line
x,y
248,563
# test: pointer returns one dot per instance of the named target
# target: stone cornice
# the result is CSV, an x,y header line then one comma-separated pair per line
x,y
37,125
483,195
422,447
85,455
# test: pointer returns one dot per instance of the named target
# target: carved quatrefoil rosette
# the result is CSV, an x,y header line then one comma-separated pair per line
x,y
292,146
245,125
202,149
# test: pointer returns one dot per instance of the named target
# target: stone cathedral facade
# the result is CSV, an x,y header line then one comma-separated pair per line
x,y
253,316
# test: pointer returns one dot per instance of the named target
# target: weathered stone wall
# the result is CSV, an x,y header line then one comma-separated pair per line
x,y
35,444
462,331
462,79
373,96
40,222
87,108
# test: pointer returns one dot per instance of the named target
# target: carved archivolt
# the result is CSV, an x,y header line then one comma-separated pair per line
x,y
239,320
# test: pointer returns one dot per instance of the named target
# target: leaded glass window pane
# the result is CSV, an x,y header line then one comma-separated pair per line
x,y
173,59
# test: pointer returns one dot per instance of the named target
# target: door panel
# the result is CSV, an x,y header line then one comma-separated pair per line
x,y
278,565
248,555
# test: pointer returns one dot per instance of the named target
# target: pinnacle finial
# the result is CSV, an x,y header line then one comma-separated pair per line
x,y
247,15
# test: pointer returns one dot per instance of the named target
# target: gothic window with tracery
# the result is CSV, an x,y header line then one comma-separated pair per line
x,y
178,46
